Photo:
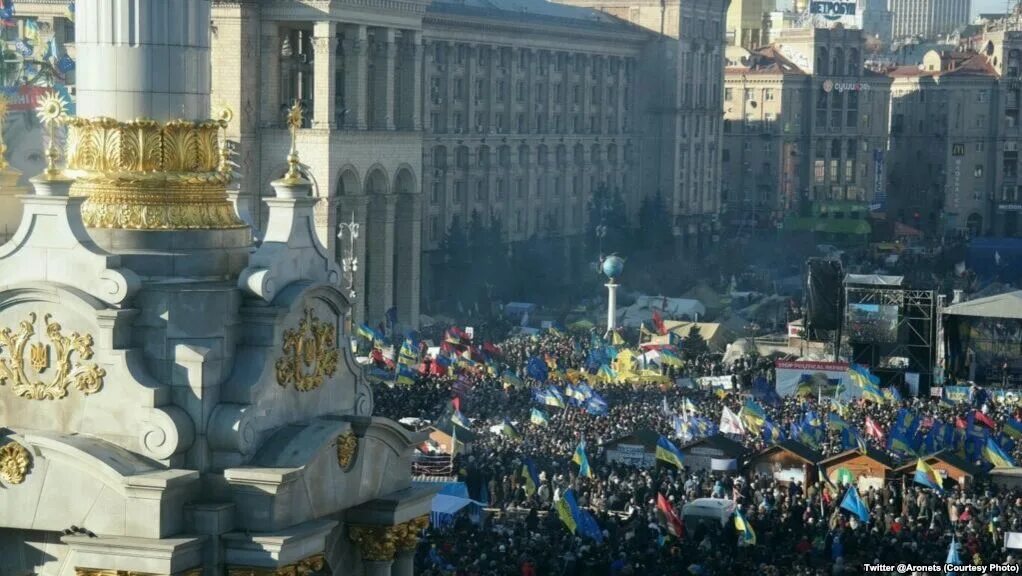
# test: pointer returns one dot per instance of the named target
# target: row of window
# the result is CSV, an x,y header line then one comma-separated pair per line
x,y
481,191
560,156
502,57
518,224
438,88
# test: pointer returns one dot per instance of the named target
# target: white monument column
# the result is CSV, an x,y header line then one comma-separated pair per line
x,y
143,59
611,306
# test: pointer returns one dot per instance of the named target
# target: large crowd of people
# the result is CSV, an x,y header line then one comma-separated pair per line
x,y
800,527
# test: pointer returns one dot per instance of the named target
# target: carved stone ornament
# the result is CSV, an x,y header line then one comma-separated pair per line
x,y
311,565
14,463
377,543
309,354
347,450
408,532
148,175
87,378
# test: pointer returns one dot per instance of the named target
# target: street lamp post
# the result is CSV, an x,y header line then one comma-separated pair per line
x,y
349,262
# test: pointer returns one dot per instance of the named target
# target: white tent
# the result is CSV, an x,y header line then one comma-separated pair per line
x,y
641,312
1007,305
445,507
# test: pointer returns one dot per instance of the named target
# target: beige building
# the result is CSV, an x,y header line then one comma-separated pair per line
x,y
804,121
955,138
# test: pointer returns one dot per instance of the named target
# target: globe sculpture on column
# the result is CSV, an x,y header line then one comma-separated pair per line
x,y
612,267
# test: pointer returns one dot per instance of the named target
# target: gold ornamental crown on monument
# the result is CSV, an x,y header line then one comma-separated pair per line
x,y
150,175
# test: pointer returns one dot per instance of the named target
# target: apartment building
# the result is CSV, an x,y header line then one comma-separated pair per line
x,y
804,121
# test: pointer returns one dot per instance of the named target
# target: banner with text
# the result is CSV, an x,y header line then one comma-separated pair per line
x,y
821,377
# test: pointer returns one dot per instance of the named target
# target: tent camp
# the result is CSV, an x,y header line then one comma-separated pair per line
x,y
641,312
715,334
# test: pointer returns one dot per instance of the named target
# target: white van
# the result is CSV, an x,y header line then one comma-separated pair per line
x,y
705,510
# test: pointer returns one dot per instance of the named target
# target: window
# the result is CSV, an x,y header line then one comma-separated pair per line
x,y
728,94
818,171
459,88
978,171
520,92
459,191
500,90
981,120
748,94
519,189
768,95
434,228
480,190
434,196
981,96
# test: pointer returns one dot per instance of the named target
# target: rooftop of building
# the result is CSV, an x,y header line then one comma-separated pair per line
x,y
952,63
766,60
532,12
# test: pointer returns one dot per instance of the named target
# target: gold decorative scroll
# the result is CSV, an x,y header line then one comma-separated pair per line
x,y
309,354
377,543
87,378
408,532
304,567
148,175
14,463
347,450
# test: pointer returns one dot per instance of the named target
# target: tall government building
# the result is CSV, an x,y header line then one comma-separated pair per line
x,y
928,18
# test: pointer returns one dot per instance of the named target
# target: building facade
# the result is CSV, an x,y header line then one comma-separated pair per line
x,y
804,122
955,137
682,126
526,112
927,18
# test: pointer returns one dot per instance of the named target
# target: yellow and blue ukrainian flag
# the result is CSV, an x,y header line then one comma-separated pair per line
x,y
509,431
668,452
538,418
582,460
530,476
927,476
567,510
1013,428
743,526
405,375
993,454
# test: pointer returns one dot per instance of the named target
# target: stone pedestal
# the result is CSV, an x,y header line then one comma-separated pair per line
x,y
404,563
378,567
10,206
